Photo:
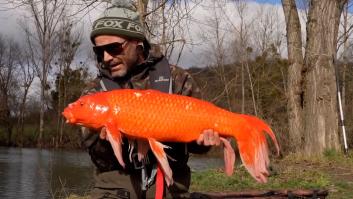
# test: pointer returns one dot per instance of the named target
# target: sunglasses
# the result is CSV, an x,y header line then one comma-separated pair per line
x,y
113,49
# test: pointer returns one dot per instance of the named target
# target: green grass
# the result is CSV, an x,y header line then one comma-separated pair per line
x,y
333,172
216,180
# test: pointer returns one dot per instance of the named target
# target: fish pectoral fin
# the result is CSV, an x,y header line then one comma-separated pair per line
x,y
158,150
229,157
115,139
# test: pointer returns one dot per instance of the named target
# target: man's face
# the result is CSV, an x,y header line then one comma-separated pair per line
x,y
117,60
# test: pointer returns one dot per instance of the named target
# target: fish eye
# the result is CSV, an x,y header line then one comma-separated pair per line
x,y
81,103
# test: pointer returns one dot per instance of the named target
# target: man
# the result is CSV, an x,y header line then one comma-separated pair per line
x,y
126,60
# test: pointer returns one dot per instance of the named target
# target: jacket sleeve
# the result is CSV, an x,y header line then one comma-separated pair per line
x,y
184,84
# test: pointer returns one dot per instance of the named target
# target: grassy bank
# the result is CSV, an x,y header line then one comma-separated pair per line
x,y
333,172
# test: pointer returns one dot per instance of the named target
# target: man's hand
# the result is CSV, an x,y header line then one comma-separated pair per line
x,y
209,138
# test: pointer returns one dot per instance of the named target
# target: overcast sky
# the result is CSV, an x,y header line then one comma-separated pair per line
x,y
199,25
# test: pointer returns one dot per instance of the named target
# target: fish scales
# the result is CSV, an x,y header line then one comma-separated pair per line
x,y
168,117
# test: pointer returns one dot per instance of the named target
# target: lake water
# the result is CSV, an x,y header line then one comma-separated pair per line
x,y
40,173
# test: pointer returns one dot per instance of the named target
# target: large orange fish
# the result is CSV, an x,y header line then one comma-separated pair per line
x,y
158,117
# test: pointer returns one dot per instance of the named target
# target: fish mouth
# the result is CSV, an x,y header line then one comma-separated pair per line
x,y
70,121
69,117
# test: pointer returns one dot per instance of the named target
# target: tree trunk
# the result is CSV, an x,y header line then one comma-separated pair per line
x,y
9,134
46,16
320,100
41,118
345,53
58,135
164,28
142,8
294,90
251,86
7,120
20,131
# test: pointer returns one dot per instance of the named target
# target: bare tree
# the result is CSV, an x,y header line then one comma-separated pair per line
x,y
344,44
312,88
8,64
26,77
45,16
267,43
216,37
242,48
69,41
166,22
267,29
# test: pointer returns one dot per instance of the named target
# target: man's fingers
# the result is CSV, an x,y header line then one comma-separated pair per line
x,y
217,139
200,140
209,138
209,141
205,138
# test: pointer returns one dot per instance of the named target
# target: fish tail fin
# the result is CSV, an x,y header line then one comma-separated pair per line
x,y
253,147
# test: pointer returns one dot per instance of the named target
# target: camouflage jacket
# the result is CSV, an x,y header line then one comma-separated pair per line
x,y
100,150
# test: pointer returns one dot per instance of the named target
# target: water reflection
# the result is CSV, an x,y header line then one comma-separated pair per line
x,y
200,163
35,173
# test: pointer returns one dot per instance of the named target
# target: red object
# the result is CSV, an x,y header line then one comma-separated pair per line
x,y
159,183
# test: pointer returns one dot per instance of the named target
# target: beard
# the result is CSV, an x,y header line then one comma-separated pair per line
x,y
120,66
117,68
118,71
